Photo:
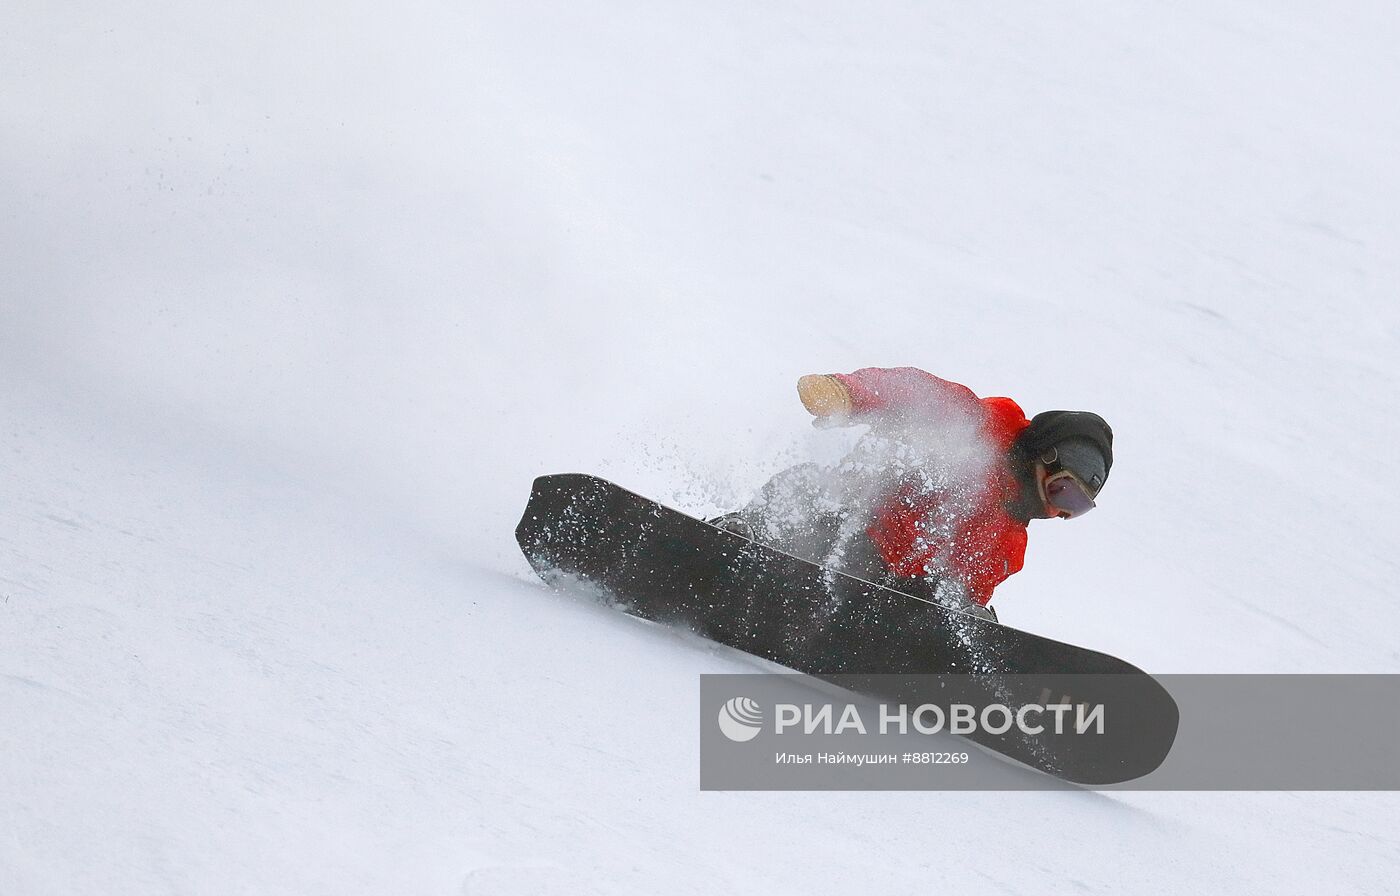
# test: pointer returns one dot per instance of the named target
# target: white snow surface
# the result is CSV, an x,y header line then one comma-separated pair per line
x,y
296,299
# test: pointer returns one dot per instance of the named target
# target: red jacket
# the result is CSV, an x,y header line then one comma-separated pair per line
x,y
988,544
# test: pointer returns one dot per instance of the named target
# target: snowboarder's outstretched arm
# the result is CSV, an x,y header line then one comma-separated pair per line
x,y
873,392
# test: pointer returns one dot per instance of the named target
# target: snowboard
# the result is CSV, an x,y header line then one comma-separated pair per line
x,y
659,564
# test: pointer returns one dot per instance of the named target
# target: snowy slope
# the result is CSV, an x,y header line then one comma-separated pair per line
x,y
295,303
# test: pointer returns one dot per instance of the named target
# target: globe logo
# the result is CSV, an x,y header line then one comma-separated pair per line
x,y
740,719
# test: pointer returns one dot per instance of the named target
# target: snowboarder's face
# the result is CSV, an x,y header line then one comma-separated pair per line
x,y
1063,494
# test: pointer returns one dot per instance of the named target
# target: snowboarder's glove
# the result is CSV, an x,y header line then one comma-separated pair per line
x,y
826,397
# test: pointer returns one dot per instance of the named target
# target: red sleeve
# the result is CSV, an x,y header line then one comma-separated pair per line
x,y
992,558
901,390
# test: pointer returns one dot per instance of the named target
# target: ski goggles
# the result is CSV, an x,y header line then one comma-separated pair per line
x,y
1068,495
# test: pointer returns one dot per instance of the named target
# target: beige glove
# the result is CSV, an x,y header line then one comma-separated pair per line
x,y
824,395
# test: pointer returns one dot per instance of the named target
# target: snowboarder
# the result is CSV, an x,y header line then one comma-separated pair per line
x,y
935,499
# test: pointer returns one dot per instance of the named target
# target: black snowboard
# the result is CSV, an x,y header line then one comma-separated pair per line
x,y
659,564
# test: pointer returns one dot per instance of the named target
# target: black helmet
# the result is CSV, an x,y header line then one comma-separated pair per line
x,y
1078,441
